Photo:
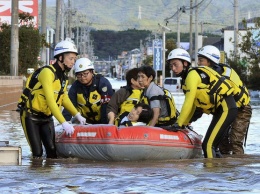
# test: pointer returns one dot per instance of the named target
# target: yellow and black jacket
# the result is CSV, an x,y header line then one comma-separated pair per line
x,y
136,96
45,92
240,93
89,105
205,89
171,108
91,101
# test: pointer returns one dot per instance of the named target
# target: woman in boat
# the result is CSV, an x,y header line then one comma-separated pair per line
x,y
45,93
140,115
160,99
125,98
205,89
90,93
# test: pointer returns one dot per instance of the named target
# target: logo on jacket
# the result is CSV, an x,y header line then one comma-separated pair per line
x,y
104,89
94,97
203,75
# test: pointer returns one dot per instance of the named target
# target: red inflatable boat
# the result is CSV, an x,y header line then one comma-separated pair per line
x,y
135,143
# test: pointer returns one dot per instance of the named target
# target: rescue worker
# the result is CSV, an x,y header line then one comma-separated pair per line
x,y
45,93
124,100
160,100
140,115
90,93
233,142
205,89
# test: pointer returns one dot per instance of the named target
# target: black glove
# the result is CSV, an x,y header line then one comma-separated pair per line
x,y
175,127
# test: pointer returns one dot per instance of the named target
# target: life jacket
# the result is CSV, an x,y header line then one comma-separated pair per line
x,y
240,93
33,99
171,108
212,89
135,97
89,105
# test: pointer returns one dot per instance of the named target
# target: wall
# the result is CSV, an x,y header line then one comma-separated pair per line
x,y
10,90
229,45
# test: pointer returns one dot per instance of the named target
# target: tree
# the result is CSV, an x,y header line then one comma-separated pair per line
x,y
248,66
30,43
148,60
109,43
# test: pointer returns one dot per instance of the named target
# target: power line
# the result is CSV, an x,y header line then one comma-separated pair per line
x,y
182,9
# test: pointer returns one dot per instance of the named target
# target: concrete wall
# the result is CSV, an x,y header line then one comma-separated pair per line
x,y
11,88
229,45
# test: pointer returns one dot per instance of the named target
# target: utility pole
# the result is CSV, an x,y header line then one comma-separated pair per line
x,y
69,19
62,28
14,39
178,28
43,31
78,23
196,33
179,11
164,28
191,45
58,21
235,27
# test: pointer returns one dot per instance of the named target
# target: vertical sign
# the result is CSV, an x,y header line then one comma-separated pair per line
x,y
27,6
157,54
222,57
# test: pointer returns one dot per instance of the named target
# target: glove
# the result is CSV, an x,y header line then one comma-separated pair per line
x,y
175,127
80,118
69,129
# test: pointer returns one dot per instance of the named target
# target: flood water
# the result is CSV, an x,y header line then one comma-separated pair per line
x,y
226,175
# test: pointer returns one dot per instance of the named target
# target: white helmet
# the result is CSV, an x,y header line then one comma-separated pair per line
x,y
83,64
179,53
65,47
210,52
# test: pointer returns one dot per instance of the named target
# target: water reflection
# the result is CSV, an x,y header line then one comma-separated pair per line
x,y
176,176
225,175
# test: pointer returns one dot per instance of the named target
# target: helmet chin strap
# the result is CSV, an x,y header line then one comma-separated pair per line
x,y
184,72
66,68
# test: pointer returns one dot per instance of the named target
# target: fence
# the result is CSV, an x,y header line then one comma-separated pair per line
x,y
10,90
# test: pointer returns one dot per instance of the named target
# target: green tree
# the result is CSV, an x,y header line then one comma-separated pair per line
x,y
247,66
5,49
148,61
240,66
30,43
109,43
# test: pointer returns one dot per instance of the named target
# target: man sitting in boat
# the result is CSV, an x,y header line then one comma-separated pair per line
x,y
124,100
140,115
90,93
161,101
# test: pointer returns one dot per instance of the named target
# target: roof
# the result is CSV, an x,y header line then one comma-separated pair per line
x,y
241,24
211,40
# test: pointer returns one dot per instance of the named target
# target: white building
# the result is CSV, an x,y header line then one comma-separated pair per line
x,y
228,34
